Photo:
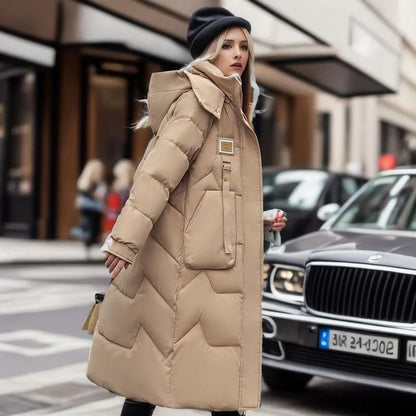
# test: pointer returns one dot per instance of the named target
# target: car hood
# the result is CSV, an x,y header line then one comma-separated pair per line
x,y
390,249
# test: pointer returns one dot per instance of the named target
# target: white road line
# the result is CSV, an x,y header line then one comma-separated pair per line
x,y
40,379
63,272
113,405
49,343
46,297
7,285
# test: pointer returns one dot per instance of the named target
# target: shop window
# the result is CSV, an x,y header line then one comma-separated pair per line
x,y
397,141
107,118
20,169
18,154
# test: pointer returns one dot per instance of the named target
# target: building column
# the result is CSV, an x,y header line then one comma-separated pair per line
x,y
371,136
337,136
355,162
303,124
364,143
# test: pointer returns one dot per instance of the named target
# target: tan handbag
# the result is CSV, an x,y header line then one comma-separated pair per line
x,y
92,318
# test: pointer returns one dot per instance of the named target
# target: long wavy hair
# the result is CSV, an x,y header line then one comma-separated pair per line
x,y
250,88
123,172
92,173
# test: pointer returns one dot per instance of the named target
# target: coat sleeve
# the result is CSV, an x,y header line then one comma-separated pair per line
x,y
159,174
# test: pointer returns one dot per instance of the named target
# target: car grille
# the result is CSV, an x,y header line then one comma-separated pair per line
x,y
351,363
364,293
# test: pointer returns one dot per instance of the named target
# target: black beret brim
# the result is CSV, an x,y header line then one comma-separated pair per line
x,y
208,33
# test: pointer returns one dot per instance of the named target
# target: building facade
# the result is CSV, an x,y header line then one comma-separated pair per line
x,y
336,78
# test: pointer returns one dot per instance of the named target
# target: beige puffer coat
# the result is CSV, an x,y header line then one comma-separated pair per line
x,y
181,327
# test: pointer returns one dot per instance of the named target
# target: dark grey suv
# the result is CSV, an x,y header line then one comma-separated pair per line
x,y
341,302
303,192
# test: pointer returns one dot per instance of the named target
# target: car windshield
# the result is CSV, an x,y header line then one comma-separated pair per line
x,y
386,203
294,189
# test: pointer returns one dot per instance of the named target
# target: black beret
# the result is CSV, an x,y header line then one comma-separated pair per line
x,y
208,22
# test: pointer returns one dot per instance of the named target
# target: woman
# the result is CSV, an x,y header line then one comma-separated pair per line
x,y
181,322
123,172
91,191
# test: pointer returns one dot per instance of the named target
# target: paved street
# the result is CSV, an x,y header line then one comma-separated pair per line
x,y
44,353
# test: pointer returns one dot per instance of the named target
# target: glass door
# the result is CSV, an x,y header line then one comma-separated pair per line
x,y
109,102
19,199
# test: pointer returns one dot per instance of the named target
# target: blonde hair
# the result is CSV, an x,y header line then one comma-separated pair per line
x,y
123,172
93,172
250,88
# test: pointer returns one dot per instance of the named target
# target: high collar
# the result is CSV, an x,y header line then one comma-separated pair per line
x,y
229,85
211,86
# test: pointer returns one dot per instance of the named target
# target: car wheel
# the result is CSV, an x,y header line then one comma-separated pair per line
x,y
277,379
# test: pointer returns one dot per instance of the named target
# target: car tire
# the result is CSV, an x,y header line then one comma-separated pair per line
x,y
277,379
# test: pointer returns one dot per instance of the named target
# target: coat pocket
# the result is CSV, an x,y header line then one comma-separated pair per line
x,y
210,235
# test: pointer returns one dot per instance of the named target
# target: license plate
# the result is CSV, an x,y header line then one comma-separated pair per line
x,y
411,351
374,345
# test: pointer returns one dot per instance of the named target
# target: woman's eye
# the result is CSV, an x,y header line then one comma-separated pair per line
x,y
226,46
244,47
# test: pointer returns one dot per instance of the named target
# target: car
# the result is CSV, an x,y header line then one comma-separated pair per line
x,y
302,192
340,302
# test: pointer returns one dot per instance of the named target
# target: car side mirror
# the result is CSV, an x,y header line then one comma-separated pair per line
x,y
327,211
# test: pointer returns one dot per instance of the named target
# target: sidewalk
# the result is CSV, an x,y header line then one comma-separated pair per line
x,y
23,251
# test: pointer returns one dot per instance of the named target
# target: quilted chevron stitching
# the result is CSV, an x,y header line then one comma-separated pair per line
x,y
205,176
152,236
155,289
119,345
202,312
212,286
180,213
137,209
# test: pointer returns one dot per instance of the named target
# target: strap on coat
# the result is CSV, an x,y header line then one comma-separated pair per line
x,y
227,204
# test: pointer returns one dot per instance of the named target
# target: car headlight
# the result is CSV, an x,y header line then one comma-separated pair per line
x,y
288,280
266,274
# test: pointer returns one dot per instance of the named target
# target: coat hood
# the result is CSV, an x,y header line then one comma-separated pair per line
x,y
208,83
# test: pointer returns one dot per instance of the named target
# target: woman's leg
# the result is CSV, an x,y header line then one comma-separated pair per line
x,y
133,408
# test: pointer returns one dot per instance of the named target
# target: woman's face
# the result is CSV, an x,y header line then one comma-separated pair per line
x,y
234,54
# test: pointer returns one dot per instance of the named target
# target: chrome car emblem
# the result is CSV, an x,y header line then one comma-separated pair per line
x,y
375,258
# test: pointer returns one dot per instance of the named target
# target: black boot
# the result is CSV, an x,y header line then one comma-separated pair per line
x,y
233,413
133,408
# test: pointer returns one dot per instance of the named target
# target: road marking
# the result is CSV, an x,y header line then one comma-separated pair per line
x,y
49,343
59,272
46,297
40,379
13,285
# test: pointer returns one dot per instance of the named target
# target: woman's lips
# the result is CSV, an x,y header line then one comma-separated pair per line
x,y
237,65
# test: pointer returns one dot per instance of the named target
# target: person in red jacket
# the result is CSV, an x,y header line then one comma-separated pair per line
x,y
123,172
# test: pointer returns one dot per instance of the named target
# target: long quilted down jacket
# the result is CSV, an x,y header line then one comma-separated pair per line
x,y
181,326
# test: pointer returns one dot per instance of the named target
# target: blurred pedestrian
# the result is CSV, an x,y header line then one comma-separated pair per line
x,y
123,172
91,191
180,325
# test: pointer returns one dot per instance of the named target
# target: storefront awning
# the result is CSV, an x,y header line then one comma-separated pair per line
x,y
343,48
26,50
84,24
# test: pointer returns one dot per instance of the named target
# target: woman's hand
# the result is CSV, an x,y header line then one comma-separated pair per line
x,y
278,222
114,264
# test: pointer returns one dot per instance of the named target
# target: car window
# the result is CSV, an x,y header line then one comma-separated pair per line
x,y
268,178
388,202
297,189
348,187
